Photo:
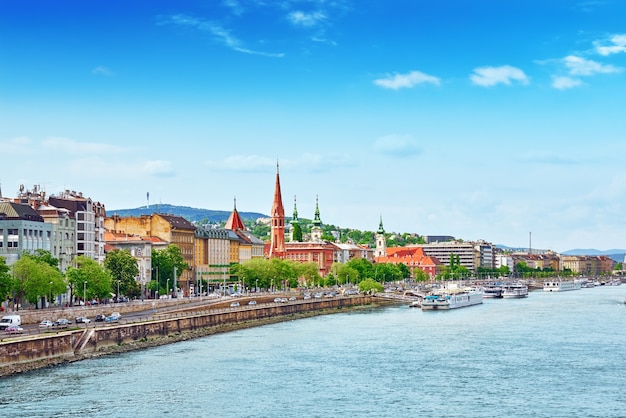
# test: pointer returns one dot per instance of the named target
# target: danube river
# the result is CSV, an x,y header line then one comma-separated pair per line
x,y
550,355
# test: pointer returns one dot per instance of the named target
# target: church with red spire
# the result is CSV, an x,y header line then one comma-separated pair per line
x,y
315,250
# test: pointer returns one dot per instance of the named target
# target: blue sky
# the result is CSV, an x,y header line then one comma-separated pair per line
x,y
477,119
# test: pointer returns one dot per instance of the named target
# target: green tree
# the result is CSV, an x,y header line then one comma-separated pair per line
x,y
363,267
420,275
45,257
34,279
344,273
297,232
164,263
123,268
310,274
5,279
370,286
89,279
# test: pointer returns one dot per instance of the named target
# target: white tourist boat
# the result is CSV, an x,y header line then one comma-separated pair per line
x,y
514,291
492,291
452,300
561,286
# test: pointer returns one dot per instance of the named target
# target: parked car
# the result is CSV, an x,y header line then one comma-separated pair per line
x,y
111,318
277,300
292,298
234,304
116,315
82,320
252,302
61,323
45,324
14,329
100,318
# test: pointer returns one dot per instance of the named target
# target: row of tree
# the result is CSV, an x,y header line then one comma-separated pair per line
x,y
35,277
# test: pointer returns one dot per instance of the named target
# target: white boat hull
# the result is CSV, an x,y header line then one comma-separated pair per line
x,y
561,286
515,291
449,301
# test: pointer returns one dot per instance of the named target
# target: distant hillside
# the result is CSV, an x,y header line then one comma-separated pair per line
x,y
616,254
191,214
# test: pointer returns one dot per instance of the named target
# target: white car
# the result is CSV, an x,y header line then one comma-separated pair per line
x,y
46,323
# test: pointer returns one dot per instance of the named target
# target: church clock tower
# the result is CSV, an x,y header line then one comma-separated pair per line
x,y
381,242
277,247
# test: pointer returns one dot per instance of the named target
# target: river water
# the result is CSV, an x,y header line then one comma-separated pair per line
x,y
549,355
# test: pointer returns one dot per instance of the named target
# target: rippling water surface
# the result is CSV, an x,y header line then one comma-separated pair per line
x,y
550,355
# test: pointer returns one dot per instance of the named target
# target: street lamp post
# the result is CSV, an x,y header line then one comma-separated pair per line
x,y
117,296
85,293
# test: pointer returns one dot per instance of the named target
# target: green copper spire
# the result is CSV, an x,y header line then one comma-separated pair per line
x,y
381,230
294,218
317,221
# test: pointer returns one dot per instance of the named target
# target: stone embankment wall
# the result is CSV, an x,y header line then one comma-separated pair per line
x,y
26,353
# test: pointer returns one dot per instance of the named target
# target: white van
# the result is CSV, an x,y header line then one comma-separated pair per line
x,y
10,320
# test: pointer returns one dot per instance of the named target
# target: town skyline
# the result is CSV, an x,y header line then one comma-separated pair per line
x,y
480,121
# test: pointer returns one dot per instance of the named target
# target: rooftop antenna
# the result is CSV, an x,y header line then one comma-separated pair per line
x,y
148,200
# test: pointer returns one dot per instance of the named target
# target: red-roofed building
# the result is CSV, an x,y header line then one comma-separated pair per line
x,y
412,257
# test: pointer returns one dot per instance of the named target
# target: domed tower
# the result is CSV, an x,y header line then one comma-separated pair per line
x,y
381,241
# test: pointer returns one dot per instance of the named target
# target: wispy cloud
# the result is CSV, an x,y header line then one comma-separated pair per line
x,y
158,168
547,157
615,45
408,80
219,33
307,20
244,163
235,6
588,6
397,145
70,146
564,83
260,164
20,145
103,71
490,76
584,67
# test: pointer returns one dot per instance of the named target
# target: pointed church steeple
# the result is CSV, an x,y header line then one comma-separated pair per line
x,y
317,221
381,230
316,230
277,246
234,221
296,230
381,241
294,218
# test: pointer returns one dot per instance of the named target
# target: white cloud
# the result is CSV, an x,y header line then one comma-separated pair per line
x,y
617,44
100,70
397,145
408,80
581,66
79,148
307,20
564,83
158,168
19,145
244,163
490,76
220,34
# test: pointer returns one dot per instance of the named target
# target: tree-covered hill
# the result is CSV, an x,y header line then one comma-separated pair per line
x,y
189,213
